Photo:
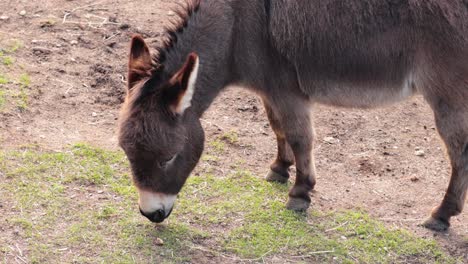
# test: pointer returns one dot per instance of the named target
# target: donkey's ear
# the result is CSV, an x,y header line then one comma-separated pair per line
x,y
140,62
181,86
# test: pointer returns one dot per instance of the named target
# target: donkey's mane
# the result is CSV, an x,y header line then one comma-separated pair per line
x,y
176,26
183,11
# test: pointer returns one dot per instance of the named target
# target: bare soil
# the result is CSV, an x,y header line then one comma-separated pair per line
x,y
75,53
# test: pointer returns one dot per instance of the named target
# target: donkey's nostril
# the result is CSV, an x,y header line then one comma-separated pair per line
x,y
156,216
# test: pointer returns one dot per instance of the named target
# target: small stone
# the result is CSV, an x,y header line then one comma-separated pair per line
x,y
22,13
158,242
4,18
100,191
344,238
41,50
331,140
171,13
94,114
414,179
419,153
124,26
73,42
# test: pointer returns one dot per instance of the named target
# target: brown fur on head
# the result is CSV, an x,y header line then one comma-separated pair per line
x,y
156,124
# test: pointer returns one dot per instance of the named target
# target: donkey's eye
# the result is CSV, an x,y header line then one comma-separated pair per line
x,y
167,161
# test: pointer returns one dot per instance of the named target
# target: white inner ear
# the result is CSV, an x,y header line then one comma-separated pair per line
x,y
186,100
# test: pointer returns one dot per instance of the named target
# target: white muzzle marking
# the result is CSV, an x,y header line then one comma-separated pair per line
x,y
150,202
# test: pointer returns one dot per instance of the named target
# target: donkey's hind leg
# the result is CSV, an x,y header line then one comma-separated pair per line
x,y
279,169
451,115
293,112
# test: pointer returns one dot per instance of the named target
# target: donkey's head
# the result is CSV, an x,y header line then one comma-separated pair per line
x,y
161,136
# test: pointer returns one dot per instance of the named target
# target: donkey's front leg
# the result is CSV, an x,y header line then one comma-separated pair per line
x,y
297,123
279,169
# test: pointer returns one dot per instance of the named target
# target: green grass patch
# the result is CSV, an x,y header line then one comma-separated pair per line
x,y
22,99
14,95
218,145
25,80
230,137
3,79
81,164
7,60
79,205
209,158
257,224
22,95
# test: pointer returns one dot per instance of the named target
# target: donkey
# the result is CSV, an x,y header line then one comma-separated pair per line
x,y
293,54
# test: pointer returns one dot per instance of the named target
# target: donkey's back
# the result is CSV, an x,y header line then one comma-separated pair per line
x,y
364,53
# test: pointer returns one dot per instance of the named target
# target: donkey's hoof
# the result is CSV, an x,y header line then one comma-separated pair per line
x,y
436,224
297,204
276,177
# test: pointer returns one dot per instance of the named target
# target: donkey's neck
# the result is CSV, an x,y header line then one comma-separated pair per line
x,y
208,34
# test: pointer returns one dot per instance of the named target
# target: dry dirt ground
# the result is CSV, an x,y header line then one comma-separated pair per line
x,y
75,54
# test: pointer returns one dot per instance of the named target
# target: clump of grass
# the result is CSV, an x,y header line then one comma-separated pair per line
x,y
7,60
230,137
3,79
218,145
208,158
22,102
107,212
25,80
19,97
24,224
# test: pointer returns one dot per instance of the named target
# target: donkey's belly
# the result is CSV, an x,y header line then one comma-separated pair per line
x,y
359,94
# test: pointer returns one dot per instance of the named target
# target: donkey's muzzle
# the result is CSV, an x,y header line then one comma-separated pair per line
x,y
157,216
156,206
